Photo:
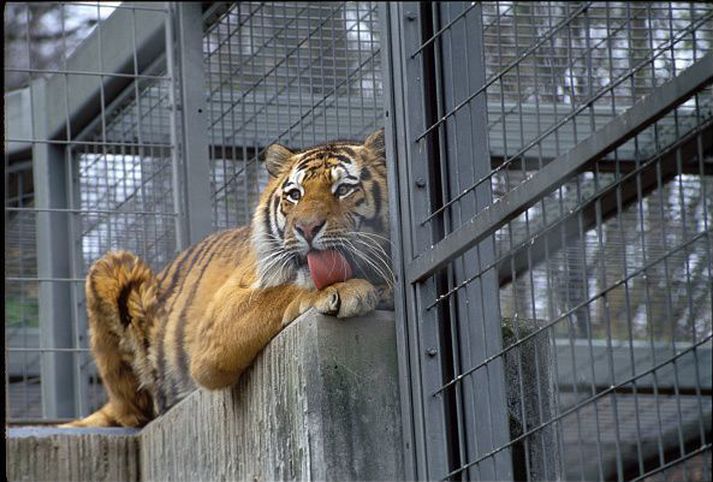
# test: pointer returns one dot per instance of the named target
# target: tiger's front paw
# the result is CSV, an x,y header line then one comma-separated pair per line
x,y
353,297
386,297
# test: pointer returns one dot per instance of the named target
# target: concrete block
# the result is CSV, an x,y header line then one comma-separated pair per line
x,y
531,396
52,454
320,403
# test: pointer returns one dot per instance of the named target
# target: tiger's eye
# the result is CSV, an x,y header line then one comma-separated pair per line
x,y
342,190
294,195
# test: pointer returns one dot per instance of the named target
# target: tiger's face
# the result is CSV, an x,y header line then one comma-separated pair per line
x,y
332,196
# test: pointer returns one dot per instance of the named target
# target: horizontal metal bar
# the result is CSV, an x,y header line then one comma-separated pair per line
x,y
663,7
671,390
581,404
35,279
36,350
594,363
95,73
16,167
90,211
615,133
119,6
89,143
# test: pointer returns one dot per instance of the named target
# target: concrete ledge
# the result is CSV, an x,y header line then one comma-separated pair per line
x,y
52,454
320,403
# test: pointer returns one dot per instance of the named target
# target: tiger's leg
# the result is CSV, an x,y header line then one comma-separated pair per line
x,y
104,417
121,307
241,321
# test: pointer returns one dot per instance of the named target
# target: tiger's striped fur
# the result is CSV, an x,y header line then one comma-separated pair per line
x,y
202,320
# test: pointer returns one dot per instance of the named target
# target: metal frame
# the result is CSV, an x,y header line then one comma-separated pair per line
x,y
134,104
424,415
452,273
477,401
50,180
194,111
67,109
616,132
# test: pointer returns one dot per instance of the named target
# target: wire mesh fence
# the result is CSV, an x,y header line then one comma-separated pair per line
x,y
297,73
89,156
110,120
558,302
555,311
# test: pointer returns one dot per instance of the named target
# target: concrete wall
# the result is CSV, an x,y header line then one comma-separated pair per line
x,y
321,402
52,454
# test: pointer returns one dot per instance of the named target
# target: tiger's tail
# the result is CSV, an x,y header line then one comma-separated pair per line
x,y
121,290
124,313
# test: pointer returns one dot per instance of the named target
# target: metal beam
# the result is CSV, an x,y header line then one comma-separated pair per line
x,y
631,190
604,140
399,219
18,123
594,359
476,331
49,169
194,129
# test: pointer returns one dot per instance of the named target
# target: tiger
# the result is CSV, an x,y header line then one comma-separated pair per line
x,y
203,319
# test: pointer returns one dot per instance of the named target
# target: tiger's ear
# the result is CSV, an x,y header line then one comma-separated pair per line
x,y
375,143
276,158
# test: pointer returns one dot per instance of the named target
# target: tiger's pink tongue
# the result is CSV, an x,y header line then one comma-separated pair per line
x,y
328,267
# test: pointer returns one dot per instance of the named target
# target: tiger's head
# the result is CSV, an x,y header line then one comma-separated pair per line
x,y
331,196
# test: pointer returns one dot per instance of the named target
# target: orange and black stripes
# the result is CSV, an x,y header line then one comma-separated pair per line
x,y
224,241
177,273
247,277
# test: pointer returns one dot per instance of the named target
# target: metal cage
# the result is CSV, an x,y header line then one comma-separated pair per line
x,y
553,163
89,162
550,183
145,133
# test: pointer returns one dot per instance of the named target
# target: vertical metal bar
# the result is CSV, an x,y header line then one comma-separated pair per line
x,y
436,77
462,408
174,129
75,254
391,50
479,320
427,341
425,443
252,158
49,175
709,270
7,202
194,130
218,132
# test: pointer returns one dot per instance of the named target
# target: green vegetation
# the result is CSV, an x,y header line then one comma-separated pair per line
x,y
21,311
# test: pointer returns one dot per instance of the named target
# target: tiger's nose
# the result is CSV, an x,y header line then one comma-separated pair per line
x,y
309,229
